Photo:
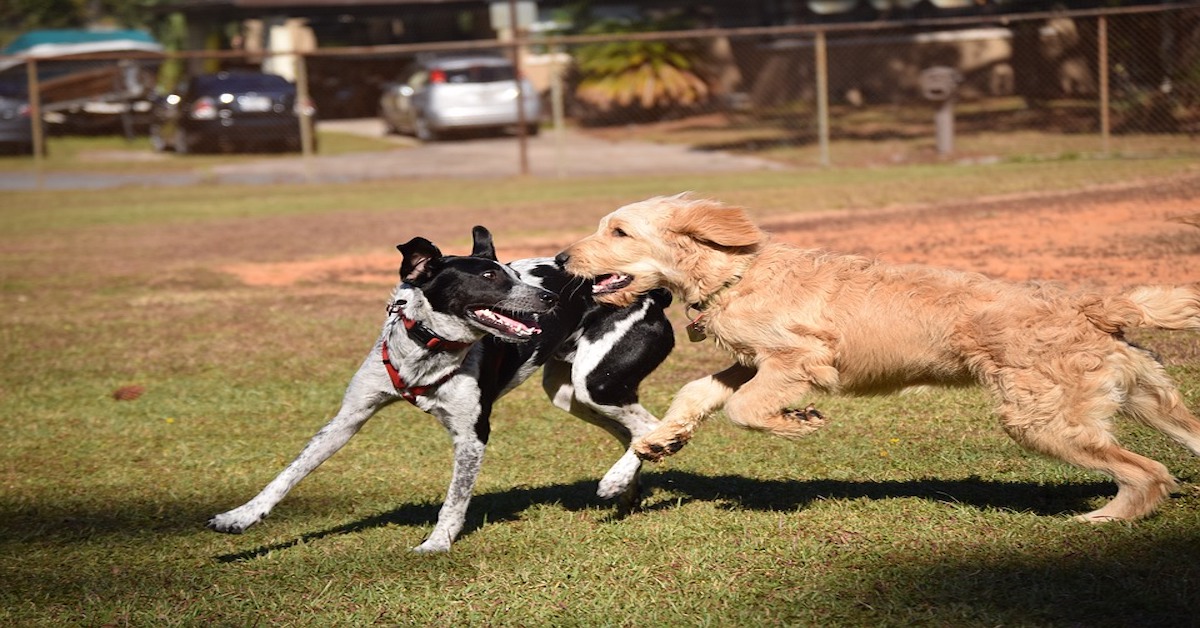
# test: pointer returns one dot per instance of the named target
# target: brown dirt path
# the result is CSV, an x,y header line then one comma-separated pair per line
x,y
1110,237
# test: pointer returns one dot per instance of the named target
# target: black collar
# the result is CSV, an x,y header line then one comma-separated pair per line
x,y
703,305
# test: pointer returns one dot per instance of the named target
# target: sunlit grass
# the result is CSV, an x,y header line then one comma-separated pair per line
x,y
906,510
116,154
558,200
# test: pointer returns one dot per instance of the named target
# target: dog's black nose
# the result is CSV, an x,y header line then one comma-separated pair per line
x,y
562,258
549,298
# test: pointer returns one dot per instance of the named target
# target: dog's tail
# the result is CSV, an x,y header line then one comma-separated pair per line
x,y
1162,307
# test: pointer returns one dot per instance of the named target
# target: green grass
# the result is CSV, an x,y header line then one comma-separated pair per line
x,y
767,193
906,510
116,154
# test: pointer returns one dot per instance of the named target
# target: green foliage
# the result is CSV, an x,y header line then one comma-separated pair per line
x,y
645,74
173,35
21,15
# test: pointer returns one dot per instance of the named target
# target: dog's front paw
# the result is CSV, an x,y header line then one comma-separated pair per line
x,y
809,413
620,477
233,522
803,422
431,547
653,450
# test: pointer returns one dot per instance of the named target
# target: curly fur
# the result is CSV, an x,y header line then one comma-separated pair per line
x,y
795,320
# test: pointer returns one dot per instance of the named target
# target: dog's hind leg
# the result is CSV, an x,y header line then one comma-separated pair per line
x,y
1155,400
369,390
1069,420
1142,483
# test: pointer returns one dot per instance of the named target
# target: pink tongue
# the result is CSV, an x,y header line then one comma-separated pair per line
x,y
513,325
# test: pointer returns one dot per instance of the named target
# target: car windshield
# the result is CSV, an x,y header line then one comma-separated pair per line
x,y
17,89
478,74
237,83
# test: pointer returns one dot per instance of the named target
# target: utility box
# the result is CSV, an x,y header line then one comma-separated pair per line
x,y
939,85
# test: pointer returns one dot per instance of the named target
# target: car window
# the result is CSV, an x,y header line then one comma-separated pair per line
x,y
14,88
479,74
242,83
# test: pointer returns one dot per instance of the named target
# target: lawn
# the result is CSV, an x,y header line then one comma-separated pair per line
x,y
907,510
116,154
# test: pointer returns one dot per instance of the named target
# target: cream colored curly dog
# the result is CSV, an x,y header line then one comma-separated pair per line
x,y
797,319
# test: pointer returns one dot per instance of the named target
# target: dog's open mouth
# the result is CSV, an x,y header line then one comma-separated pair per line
x,y
507,323
606,284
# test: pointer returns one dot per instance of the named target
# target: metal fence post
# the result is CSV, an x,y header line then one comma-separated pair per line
x,y
556,106
35,115
1102,67
822,97
303,101
522,134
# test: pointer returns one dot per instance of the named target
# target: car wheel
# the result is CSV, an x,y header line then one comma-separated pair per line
x,y
423,131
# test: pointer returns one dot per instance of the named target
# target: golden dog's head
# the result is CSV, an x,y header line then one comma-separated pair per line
x,y
675,242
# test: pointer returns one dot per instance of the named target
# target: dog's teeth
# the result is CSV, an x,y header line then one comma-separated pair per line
x,y
611,283
512,326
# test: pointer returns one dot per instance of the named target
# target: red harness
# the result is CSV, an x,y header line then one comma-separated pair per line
x,y
431,341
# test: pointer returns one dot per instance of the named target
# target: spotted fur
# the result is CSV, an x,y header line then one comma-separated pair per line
x,y
594,358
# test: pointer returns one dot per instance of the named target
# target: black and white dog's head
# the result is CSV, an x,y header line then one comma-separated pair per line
x,y
462,296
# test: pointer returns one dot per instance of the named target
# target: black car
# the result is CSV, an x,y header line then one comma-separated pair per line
x,y
226,111
16,125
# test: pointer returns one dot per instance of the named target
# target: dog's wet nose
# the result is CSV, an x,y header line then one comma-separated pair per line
x,y
548,298
562,258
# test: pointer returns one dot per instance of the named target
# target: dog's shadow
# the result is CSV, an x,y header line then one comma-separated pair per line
x,y
730,491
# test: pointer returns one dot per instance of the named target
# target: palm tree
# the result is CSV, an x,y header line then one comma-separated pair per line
x,y
651,75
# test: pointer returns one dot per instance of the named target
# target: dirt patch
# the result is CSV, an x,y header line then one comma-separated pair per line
x,y
1096,238
353,269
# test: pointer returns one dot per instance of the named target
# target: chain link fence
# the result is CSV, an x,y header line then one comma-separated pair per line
x,y
1017,87
1041,86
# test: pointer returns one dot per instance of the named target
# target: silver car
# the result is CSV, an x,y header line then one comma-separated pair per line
x,y
439,95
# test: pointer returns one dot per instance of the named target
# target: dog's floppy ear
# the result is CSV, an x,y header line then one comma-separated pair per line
x,y
483,244
417,253
715,223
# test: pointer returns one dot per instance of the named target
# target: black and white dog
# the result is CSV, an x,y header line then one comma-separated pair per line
x,y
463,330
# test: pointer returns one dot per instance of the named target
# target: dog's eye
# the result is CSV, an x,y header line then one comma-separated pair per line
x,y
619,233
489,274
